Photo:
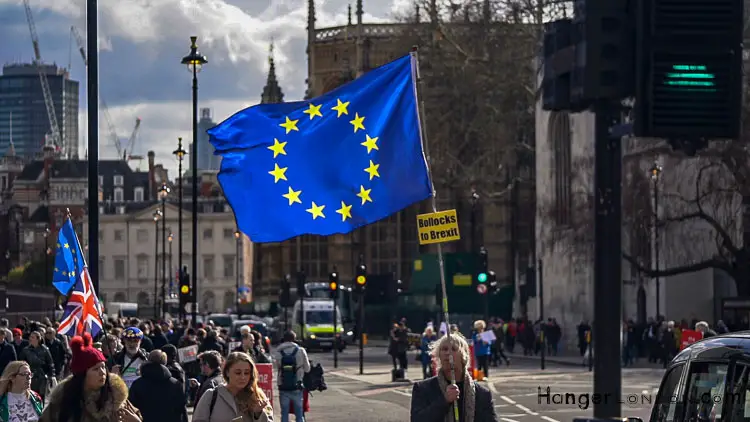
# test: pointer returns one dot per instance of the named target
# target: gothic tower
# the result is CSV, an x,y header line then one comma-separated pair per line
x,y
272,91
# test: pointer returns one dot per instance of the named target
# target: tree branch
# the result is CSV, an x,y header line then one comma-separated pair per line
x,y
684,269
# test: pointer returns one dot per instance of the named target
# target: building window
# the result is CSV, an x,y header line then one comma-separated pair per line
x,y
119,269
138,194
101,268
142,261
562,167
208,234
101,235
119,235
208,267
119,180
229,266
119,195
141,235
228,233
101,181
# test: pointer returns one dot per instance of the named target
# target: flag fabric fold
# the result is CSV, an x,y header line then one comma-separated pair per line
x,y
83,310
67,258
328,165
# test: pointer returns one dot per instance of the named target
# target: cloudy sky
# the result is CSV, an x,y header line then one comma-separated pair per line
x,y
142,42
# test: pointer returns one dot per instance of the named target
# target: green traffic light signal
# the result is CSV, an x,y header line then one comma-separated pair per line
x,y
482,277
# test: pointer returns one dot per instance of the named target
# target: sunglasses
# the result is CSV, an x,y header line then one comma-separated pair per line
x,y
24,374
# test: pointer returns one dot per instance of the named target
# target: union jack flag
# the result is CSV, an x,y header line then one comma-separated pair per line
x,y
83,310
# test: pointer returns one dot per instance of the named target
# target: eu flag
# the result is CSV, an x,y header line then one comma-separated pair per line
x,y
328,165
69,261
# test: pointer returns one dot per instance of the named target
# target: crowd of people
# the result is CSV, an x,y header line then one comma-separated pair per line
x,y
133,372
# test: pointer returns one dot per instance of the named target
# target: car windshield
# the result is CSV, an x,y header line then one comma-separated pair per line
x,y
319,317
706,386
221,320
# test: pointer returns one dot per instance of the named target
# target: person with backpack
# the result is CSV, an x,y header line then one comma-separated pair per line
x,y
292,367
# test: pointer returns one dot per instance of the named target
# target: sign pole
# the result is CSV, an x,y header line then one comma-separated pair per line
x,y
422,131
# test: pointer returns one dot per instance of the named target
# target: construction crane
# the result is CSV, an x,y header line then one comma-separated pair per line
x,y
55,138
121,150
128,154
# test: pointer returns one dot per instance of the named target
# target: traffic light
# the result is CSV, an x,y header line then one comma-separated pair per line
x,y
492,286
689,71
603,41
285,296
483,266
186,294
333,286
360,280
301,279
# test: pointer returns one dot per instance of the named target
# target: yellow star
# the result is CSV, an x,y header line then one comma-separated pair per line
x,y
364,194
370,143
277,148
290,125
372,170
66,246
292,196
57,270
278,173
313,111
341,107
316,211
72,273
345,211
357,122
64,273
58,245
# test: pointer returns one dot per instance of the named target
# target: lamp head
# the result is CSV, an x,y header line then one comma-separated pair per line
x,y
194,60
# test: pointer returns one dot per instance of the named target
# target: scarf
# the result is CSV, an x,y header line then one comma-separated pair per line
x,y
469,392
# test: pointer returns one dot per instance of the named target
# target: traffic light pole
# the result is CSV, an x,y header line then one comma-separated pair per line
x,y
607,260
540,293
335,336
361,327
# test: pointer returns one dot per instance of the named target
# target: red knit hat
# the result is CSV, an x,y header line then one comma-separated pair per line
x,y
84,355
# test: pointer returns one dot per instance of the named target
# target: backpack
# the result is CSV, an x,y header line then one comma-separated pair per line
x,y
314,380
288,371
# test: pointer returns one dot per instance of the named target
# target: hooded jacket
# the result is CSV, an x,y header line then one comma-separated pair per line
x,y
158,395
118,398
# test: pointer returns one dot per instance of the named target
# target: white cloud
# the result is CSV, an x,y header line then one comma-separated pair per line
x,y
141,76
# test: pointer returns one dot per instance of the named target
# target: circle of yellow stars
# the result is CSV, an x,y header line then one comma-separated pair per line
x,y
279,173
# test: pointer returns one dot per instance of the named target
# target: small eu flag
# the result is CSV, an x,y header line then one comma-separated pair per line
x,y
328,165
69,261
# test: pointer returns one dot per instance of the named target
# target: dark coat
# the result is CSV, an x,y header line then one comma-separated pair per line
x,y
7,355
158,396
428,404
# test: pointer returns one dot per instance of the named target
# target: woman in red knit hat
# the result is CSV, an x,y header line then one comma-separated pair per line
x,y
91,394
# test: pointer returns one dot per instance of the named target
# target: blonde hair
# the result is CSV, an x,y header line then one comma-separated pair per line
x,y
157,356
480,325
252,385
9,373
457,340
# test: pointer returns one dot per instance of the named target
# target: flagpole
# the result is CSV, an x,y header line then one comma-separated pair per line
x,y
417,82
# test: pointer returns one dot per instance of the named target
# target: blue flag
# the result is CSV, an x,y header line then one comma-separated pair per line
x,y
69,261
329,165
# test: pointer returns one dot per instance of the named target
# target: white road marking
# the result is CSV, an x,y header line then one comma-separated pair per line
x,y
507,399
508,420
526,409
511,415
548,419
492,388
403,393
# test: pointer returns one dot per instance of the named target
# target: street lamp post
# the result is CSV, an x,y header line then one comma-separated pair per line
x,y
655,174
157,215
170,238
46,234
237,237
180,154
163,193
194,61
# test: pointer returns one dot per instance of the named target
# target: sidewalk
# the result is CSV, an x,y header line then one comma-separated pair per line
x,y
577,360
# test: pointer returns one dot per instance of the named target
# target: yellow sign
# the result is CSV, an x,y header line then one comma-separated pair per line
x,y
462,280
438,227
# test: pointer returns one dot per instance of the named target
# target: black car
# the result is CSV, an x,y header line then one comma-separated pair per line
x,y
707,381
